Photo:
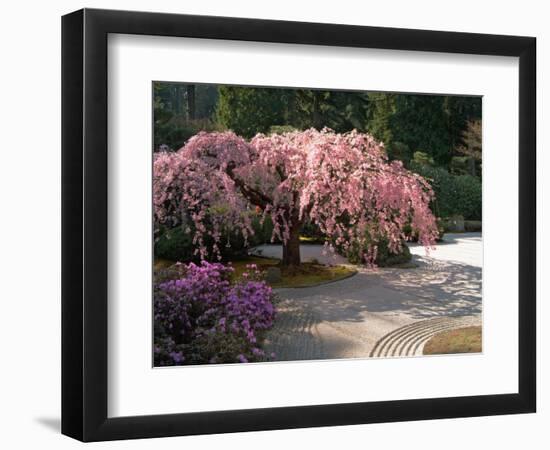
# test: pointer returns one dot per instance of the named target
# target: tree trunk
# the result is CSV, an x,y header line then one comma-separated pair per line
x,y
317,121
291,250
472,164
191,101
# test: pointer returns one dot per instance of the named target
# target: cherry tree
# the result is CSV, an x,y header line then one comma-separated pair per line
x,y
343,183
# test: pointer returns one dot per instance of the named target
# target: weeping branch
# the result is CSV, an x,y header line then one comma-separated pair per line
x,y
253,195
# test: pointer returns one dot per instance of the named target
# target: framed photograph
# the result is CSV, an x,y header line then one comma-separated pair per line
x,y
273,224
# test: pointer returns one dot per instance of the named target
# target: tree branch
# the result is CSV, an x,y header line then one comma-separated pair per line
x,y
280,173
253,195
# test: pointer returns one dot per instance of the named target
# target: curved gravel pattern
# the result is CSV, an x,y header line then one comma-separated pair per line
x,y
295,335
410,339
382,313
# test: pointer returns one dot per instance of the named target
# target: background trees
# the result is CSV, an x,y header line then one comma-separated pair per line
x,y
471,146
181,111
248,111
440,126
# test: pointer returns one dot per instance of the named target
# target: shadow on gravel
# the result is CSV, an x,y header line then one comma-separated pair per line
x,y
435,289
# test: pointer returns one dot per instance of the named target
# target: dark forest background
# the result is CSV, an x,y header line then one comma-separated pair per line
x,y
436,136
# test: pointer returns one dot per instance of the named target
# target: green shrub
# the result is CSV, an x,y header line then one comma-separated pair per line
x,y
237,248
454,195
176,131
384,258
443,185
400,151
281,129
472,225
468,196
454,224
459,165
312,232
422,159
172,135
176,244
441,228
262,232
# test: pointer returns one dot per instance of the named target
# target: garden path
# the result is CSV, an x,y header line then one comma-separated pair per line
x,y
401,308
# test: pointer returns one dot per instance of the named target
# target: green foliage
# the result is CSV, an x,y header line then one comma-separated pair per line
x,y
181,111
444,132
443,186
454,223
193,101
262,231
472,225
206,99
311,231
420,122
281,129
454,195
384,257
417,121
248,111
337,110
432,123
441,126
379,116
169,99
413,237
459,165
468,198
461,110
471,147
422,159
399,150
176,244
175,131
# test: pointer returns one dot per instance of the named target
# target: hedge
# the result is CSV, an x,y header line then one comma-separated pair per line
x,y
454,194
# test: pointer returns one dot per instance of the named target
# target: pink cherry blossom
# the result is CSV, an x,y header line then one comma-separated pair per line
x,y
343,183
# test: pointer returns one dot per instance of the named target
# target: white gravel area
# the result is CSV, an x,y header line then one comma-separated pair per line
x,y
347,318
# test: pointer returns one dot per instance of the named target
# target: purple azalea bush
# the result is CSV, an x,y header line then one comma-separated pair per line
x,y
203,317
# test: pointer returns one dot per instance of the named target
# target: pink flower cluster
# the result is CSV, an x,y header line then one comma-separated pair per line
x,y
344,183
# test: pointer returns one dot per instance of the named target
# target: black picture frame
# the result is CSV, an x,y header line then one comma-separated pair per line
x,y
84,224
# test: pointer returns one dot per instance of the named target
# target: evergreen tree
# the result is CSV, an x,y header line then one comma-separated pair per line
x,y
206,99
460,111
429,123
471,145
420,122
248,111
255,110
379,117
